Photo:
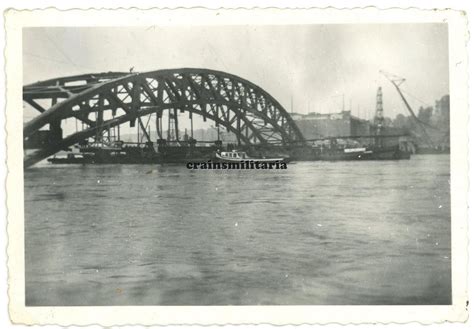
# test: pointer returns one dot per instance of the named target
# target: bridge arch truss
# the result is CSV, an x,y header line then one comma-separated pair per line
x,y
105,100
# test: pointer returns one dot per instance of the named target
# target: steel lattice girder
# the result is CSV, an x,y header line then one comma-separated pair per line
x,y
235,103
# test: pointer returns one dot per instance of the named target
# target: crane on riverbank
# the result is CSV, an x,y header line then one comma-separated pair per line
x,y
397,82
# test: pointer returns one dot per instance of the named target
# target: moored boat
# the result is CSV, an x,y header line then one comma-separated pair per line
x,y
362,153
72,158
238,156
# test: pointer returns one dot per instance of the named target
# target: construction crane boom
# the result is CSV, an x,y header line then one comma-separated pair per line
x,y
397,81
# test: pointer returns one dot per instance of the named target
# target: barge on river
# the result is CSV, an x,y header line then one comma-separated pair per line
x,y
147,153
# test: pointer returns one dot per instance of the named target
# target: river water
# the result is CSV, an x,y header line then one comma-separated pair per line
x,y
317,233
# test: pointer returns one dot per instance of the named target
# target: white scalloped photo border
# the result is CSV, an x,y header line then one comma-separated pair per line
x,y
206,315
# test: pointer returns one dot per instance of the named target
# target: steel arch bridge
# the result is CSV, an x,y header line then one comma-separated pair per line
x,y
105,100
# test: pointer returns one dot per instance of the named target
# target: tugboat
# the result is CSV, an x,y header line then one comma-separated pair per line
x,y
236,156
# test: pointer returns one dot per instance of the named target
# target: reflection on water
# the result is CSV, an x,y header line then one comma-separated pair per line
x,y
316,233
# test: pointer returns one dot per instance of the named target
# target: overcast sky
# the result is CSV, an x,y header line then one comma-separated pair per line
x,y
313,64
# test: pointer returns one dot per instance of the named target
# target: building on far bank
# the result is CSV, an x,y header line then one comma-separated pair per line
x,y
319,125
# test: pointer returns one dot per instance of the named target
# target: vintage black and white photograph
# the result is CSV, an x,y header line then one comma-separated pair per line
x,y
237,165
